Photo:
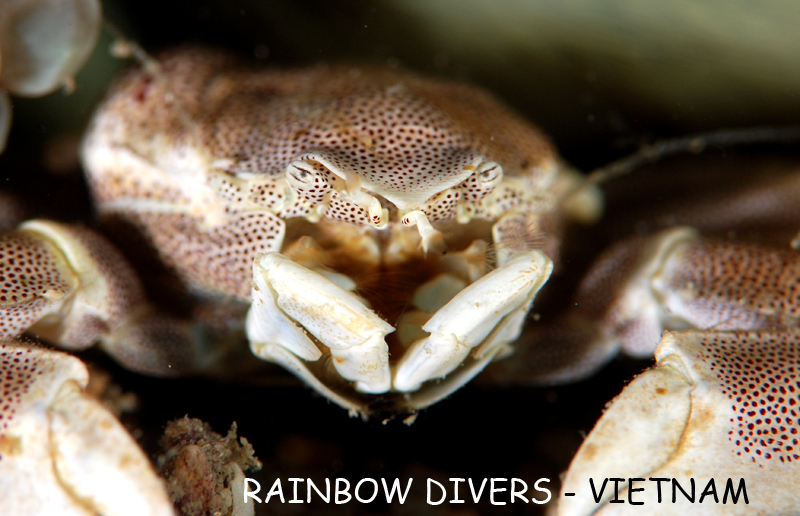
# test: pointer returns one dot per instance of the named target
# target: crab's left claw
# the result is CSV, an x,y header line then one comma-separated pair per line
x,y
61,452
718,416
481,319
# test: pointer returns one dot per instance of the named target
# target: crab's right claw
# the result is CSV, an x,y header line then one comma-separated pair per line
x,y
721,406
286,292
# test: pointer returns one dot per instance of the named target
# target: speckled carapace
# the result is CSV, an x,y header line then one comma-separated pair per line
x,y
201,152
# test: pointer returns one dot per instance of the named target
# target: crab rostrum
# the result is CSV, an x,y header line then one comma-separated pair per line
x,y
62,452
415,220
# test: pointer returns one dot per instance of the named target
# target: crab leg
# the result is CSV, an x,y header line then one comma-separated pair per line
x,y
674,280
71,287
61,452
677,280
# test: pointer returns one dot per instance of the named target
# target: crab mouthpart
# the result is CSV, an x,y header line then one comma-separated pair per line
x,y
329,337
287,292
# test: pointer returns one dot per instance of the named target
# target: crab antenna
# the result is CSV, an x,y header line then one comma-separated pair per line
x,y
695,143
124,48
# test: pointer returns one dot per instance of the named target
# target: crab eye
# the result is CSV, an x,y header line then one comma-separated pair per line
x,y
300,174
490,173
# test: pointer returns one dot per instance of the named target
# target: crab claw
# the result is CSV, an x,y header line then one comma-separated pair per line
x,y
61,452
484,316
70,286
718,416
65,34
286,293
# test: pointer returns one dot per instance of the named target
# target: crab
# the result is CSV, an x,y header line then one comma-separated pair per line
x,y
382,287
294,194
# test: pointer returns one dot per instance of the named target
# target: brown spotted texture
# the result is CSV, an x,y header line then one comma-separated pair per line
x,y
739,286
761,377
18,369
220,258
410,142
30,377
318,186
31,281
394,128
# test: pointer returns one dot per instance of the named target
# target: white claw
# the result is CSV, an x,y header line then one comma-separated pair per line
x,y
268,324
282,356
489,312
97,460
285,292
